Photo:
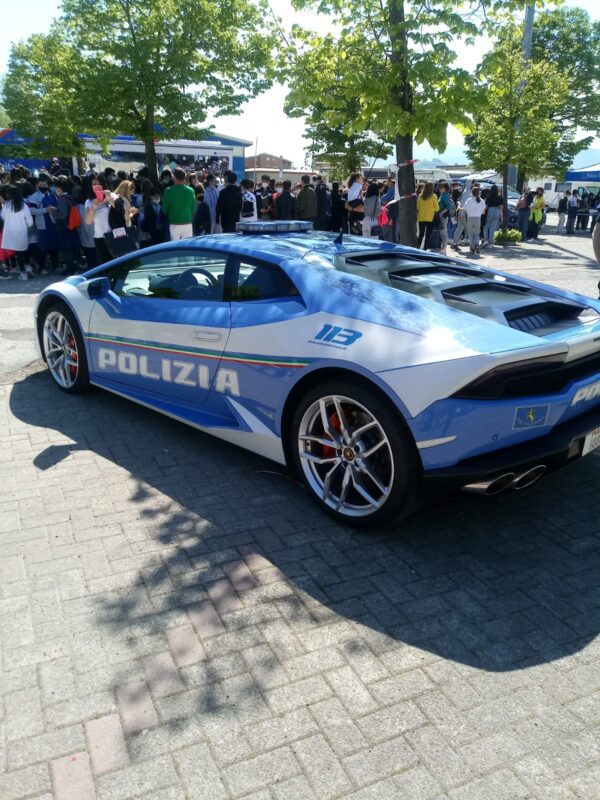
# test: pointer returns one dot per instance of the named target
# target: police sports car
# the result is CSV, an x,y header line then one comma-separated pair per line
x,y
372,369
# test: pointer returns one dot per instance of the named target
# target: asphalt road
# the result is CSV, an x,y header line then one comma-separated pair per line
x,y
564,261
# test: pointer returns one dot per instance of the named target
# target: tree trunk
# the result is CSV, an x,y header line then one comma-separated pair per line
x,y
149,145
401,95
521,181
407,211
505,197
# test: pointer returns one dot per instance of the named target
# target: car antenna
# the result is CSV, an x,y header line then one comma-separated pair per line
x,y
338,239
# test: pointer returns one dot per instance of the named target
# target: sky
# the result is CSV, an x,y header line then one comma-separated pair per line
x,y
263,117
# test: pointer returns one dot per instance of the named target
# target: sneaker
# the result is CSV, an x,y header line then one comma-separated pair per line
x,y
23,276
476,251
5,275
44,272
455,247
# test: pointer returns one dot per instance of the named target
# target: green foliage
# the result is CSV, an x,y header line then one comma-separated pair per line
x,y
507,236
386,70
42,94
569,41
516,125
126,66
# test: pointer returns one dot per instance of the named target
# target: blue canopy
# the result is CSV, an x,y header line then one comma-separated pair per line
x,y
591,174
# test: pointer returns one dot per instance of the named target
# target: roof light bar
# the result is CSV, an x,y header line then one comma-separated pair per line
x,y
283,226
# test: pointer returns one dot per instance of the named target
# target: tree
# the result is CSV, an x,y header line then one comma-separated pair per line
x,y
397,62
42,94
570,41
326,121
516,126
152,68
4,118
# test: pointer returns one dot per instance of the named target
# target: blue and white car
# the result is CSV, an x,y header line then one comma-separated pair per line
x,y
372,369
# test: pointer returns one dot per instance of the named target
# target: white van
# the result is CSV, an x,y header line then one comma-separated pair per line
x,y
554,190
432,175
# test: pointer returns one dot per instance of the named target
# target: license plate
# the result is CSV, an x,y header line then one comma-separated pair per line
x,y
591,442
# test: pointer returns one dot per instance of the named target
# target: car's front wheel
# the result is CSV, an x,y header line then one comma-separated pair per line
x,y
63,348
354,454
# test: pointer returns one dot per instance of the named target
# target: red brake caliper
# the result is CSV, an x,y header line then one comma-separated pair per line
x,y
334,421
73,348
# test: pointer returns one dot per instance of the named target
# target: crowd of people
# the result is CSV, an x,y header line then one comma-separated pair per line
x,y
57,223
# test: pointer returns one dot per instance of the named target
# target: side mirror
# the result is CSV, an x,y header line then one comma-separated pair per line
x,y
98,288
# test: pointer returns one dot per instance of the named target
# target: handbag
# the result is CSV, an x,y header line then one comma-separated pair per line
x,y
120,241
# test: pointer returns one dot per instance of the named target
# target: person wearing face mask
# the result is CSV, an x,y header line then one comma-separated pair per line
x,y
153,223
264,200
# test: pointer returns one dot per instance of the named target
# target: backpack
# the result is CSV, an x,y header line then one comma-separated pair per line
x,y
74,220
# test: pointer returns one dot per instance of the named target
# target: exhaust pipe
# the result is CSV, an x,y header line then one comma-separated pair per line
x,y
529,478
492,487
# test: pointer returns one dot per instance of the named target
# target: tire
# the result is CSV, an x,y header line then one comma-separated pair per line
x,y
63,349
329,445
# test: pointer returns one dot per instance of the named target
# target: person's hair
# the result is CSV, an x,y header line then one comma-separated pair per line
x,y
65,185
568,191
16,174
246,183
335,186
539,190
372,189
209,178
456,195
264,178
16,197
475,191
121,174
231,177
41,178
353,178
27,189
287,185
494,193
305,180
145,189
427,190
199,192
443,185
125,189
179,174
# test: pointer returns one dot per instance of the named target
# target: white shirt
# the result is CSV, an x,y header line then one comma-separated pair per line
x,y
16,226
354,191
474,208
101,225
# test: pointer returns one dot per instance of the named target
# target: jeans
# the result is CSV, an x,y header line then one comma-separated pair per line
x,y
561,222
571,218
473,230
460,229
491,225
425,229
524,222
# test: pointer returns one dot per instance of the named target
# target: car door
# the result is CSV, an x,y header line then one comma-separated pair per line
x,y
162,329
267,314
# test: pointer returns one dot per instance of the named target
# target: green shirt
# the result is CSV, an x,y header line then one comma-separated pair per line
x,y
179,204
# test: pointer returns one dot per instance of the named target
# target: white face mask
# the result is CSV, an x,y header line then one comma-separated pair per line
x,y
265,185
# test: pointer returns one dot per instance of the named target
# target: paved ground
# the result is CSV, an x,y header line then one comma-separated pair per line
x,y
179,621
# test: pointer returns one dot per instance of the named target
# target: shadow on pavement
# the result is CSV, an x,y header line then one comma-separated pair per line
x,y
498,585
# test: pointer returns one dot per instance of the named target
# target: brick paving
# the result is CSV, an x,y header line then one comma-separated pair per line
x,y
179,621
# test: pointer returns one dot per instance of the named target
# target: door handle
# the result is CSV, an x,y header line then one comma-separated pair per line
x,y
207,336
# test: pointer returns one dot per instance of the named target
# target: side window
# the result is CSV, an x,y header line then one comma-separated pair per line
x,y
260,281
547,187
171,274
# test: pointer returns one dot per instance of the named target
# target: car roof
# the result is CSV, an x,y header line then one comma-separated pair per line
x,y
281,246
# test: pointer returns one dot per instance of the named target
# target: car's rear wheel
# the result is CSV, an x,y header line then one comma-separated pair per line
x,y
354,454
64,350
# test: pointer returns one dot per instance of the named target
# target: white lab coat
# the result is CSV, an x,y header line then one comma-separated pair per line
x,y
16,226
